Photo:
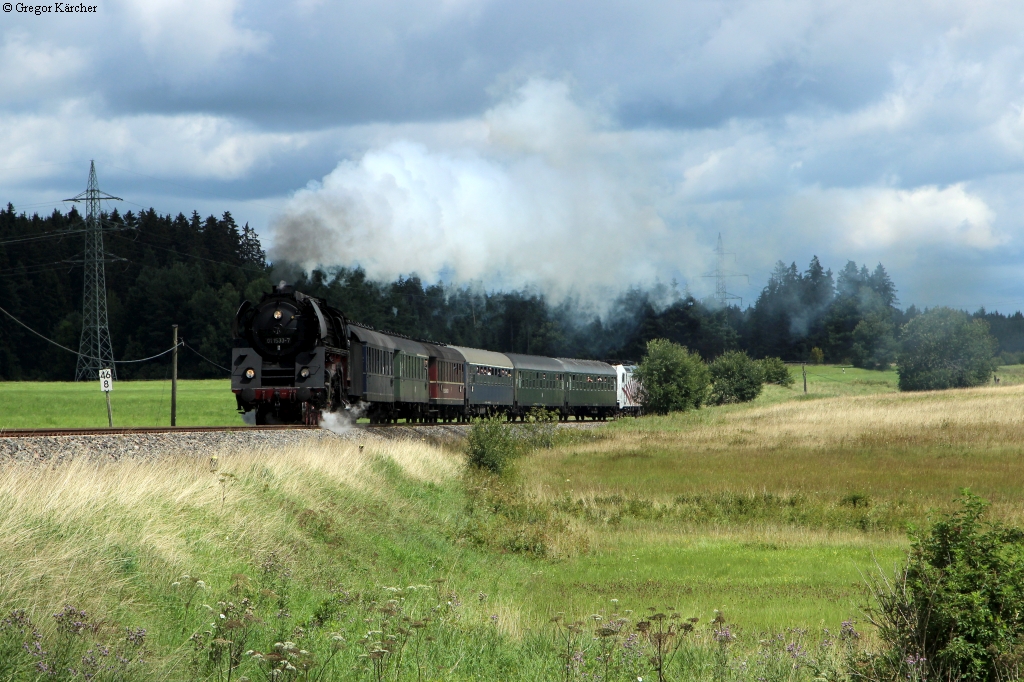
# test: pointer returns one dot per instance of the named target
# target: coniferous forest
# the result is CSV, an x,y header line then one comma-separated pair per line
x,y
194,272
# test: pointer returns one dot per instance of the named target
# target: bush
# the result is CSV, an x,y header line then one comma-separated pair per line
x,y
944,348
776,372
956,611
817,356
1009,358
735,378
672,378
540,429
492,445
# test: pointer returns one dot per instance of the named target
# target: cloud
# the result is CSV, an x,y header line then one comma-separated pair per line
x,y
543,190
883,218
545,199
30,69
867,130
186,146
880,219
182,37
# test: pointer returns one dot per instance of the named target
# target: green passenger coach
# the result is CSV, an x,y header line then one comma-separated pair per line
x,y
539,382
411,382
590,388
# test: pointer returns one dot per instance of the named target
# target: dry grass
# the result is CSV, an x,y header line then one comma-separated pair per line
x,y
80,531
911,450
980,417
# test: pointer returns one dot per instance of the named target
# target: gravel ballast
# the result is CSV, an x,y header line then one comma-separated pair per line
x,y
114,447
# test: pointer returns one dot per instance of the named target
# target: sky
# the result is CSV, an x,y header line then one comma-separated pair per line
x,y
577,148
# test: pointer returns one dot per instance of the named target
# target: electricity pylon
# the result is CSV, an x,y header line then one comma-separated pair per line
x,y
722,295
94,349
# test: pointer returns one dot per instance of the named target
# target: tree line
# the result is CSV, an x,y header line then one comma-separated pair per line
x,y
160,270
195,272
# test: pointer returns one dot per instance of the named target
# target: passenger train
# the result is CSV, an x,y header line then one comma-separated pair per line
x,y
296,358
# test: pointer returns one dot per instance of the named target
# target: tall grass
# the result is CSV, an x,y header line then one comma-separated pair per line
x,y
771,513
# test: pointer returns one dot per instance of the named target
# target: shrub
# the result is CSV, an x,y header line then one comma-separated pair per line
x,y
776,372
672,378
956,610
735,378
944,348
1009,358
817,356
492,445
540,429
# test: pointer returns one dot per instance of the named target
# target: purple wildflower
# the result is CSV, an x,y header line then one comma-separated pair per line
x,y
723,635
71,621
135,636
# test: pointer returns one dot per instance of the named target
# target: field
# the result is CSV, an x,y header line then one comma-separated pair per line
x,y
31,405
772,513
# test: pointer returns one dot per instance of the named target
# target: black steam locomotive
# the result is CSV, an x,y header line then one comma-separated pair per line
x,y
296,358
289,357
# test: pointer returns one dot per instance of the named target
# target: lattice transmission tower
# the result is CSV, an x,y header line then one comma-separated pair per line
x,y
722,295
94,349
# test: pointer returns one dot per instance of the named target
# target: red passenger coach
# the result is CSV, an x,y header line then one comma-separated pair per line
x,y
446,373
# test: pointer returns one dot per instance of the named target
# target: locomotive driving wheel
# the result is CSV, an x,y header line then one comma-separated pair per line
x,y
311,414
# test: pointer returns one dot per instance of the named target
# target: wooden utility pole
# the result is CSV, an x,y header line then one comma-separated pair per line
x,y
174,378
803,365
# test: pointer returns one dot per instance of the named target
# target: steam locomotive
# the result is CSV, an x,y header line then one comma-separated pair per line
x,y
295,358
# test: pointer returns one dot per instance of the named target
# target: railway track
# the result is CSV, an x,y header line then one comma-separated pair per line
x,y
142,430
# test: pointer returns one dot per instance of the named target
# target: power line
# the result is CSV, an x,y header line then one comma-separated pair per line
x,y
42,236
63,347
206,358
189,255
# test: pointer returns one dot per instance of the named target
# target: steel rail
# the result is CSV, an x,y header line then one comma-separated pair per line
x,y
142,430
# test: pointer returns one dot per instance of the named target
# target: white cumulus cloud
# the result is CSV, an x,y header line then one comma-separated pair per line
x,y
884,219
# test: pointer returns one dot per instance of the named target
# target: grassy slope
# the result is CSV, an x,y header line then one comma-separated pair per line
x,y
28,405
744,512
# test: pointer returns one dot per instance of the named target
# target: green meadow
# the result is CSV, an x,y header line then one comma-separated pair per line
x,y
68,404
393,561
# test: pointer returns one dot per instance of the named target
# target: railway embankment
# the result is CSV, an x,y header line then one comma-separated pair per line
x,y
55,447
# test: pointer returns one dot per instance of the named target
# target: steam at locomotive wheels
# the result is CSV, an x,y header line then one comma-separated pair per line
x,y
295,358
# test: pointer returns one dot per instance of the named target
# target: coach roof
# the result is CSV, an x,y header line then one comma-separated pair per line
x,y
475,356
587,367
373,338
444,352
536,362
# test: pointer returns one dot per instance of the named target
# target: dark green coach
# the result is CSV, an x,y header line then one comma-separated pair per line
x,y
589,389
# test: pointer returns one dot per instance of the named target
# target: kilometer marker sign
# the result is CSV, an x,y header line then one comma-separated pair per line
x,y
107,385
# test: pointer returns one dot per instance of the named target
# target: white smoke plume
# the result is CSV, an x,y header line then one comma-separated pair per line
x,y
540,191
343,422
